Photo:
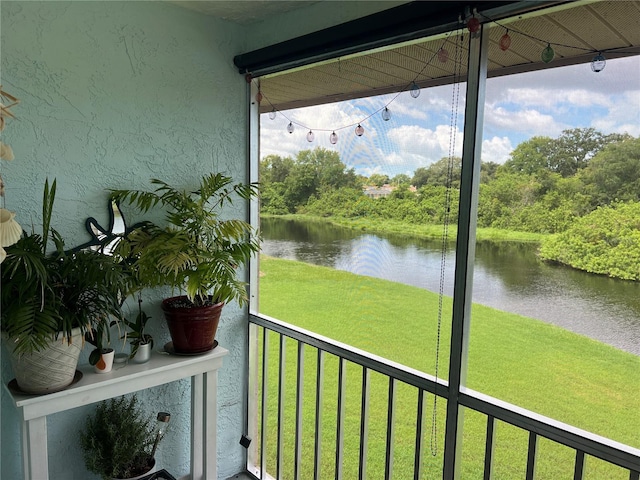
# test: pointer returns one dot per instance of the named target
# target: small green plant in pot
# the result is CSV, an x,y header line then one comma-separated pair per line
x,y
141,342
118,439
195,251
101,357
48,301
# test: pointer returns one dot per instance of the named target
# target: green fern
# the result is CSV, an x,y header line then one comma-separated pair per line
x,y
195,251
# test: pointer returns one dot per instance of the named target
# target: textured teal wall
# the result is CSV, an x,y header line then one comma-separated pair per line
x,y
113,94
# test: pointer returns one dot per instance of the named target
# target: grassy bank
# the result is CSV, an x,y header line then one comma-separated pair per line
x,y
526,362
421,231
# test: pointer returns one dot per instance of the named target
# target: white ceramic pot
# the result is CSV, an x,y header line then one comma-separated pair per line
x,y
143,354
105,364
49,370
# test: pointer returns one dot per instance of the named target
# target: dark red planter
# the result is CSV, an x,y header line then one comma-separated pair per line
x,y
192,329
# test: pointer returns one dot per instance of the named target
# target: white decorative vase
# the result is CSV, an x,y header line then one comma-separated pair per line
x,y
143,354
105,364
49,370
10,230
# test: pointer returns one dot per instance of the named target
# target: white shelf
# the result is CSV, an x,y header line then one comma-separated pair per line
x,y
93,387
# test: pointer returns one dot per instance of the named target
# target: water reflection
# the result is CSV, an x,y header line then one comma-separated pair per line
x,y
507,276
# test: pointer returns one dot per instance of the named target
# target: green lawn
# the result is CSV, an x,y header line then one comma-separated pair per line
x,y
523,361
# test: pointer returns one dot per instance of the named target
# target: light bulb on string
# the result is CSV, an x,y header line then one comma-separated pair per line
x,y
259,96
598,63
443,55
359,130
290,127
547,54
333,138
415,90
386,114
272,114
310,136
505,42
473,25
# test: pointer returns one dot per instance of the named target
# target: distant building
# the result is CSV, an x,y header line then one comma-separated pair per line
x,y
373,191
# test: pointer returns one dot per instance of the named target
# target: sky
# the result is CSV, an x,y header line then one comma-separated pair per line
x,y
425,129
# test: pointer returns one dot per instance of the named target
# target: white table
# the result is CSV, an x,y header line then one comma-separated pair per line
x,y
161,369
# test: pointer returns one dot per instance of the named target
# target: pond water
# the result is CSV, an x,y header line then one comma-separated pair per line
x,y
507,276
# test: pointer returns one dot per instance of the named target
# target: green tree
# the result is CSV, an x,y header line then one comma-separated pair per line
x,y
445,172
378,179
420,177
274,168
401,180
614,173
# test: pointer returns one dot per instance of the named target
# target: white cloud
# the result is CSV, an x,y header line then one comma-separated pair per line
x,y
529,121
496,149
623,116
422,146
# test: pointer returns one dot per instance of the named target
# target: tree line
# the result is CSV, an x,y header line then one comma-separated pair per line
x,y
548,185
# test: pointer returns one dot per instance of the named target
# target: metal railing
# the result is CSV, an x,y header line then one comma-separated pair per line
x,y
282,457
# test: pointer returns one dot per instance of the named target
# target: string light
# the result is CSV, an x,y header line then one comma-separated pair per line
x,y
415,90
473,24
547,54
505,42
598,63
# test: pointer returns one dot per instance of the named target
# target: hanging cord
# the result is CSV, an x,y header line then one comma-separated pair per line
x,y
453,128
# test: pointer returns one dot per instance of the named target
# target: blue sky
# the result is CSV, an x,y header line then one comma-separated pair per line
x,y
517,107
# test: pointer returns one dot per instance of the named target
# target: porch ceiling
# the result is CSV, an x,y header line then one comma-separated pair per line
x,y
575,30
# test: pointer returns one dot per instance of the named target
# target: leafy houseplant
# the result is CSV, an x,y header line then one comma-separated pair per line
x,y
197,252
100,357
51,299
137,336
118,439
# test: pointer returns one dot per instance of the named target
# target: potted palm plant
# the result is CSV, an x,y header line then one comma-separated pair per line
x,y
195,252
48,301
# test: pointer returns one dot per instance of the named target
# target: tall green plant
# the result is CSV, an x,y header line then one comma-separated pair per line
x,y
196,250
45,296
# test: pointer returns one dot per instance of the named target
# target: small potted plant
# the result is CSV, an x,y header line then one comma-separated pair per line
x,y
195,251
141,342
118,441
49,300
101,357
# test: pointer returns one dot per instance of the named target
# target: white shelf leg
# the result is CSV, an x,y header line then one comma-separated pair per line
x,y
210,432
36,460
197,427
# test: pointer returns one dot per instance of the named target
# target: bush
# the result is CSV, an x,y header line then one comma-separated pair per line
x,y
606,241
117,440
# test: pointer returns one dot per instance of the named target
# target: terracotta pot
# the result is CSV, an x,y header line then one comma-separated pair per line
x,y
192,329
